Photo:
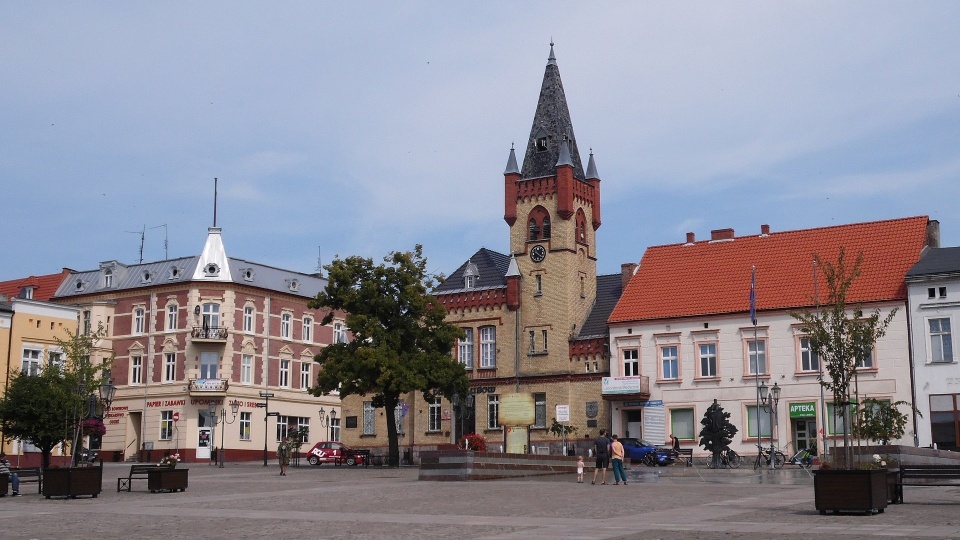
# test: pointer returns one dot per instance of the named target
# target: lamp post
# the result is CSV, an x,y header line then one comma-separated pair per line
x,y
212,408
107,391
267,414
464,409
326,422
770,398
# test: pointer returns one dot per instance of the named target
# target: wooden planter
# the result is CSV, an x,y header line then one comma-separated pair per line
x,y
850,491
72,482
164,479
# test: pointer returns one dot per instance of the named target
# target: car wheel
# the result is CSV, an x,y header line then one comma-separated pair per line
x,y
351,461
313,460
649,460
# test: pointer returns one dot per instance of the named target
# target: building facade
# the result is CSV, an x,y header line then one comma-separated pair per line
x,y
683,337
534,318
190,336
933,286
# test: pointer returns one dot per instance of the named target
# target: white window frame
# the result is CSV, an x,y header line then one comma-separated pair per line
x,y
172,312
166,425
434,415
809,359
136,369
756,350
334,429
493,411
707,359
488,346
284,378
631,362
169,367
339,332
673,360
246,421
248,314
246,369
305,369
307,329
539,410
139,320
285,325
31,362
211,315
465,348
941,340
209,365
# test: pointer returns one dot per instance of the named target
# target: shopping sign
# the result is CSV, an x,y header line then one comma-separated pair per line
x,y
803,410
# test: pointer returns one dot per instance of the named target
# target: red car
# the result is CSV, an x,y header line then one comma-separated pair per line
x,y
333,452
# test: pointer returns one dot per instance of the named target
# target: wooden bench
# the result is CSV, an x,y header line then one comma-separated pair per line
x,y
137,472
926,475
686,454
29,474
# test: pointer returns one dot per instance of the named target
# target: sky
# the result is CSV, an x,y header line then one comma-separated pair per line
x,y
360,128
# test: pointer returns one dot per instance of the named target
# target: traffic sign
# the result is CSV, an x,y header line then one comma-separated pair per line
x,y
176,417
266,394
261,405
563,413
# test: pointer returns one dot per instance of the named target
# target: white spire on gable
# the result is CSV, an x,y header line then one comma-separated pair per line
x,y
213,264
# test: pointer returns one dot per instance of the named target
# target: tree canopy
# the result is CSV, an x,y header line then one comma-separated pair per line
x,y
47,409
717,432
400,340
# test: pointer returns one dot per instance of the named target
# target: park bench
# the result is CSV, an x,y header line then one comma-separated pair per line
x,y
687,455
137,472
29,474
926,475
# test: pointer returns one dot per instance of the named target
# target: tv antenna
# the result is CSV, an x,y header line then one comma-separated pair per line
x,y
142,233
166,251
319,262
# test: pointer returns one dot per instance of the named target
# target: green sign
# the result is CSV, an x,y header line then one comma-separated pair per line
x,y
803,410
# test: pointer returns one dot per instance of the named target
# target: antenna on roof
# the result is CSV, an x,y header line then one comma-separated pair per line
x,y
214,201
166,251
319,262
142,233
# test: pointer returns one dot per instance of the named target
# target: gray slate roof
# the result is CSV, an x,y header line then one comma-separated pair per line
x,y
935,261
609,289
491,269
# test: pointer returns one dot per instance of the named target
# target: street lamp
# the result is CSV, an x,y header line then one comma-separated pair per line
x,y
107,391
770,398
463,409
212,408
326,421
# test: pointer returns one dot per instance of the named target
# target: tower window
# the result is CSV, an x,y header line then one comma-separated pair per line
x,y
546,227
534,229
542,144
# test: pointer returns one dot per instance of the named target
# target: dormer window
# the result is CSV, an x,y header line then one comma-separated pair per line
x,y
211,270
247,274
470,275
174,273
26,292
541,144
108,278
78,286
294,285
147,276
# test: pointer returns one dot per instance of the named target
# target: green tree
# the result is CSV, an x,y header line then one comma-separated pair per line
x,y
717,432
401,342
881,421
47,409
841,337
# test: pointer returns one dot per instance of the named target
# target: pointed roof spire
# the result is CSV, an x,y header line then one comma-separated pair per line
x,y
551,126
512,167
564,158
213,264
514,269
592,168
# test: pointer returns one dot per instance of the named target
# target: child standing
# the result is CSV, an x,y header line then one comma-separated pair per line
x,y
579,469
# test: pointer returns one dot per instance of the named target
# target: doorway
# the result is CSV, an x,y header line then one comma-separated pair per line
x,y
805,434
634,423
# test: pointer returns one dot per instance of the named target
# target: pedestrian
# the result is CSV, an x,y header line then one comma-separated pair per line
x,y
601,449
616,449
579,469
14,479
283,455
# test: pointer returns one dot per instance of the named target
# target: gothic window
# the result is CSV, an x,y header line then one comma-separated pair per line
x,y
539,224
534,229
546,227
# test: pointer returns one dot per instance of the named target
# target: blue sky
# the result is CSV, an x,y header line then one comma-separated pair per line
x,y
358,128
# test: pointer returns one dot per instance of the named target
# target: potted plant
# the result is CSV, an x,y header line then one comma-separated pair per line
x,y
841,337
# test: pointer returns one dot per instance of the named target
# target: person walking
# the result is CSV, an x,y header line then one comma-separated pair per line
x,y
579,469
283,455
616,449
602,451
14,479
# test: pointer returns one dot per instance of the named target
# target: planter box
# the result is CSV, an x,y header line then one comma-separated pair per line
x,y
850,491
164,479
72,482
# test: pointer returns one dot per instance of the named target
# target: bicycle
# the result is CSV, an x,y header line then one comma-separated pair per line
x,y
763,459
728,459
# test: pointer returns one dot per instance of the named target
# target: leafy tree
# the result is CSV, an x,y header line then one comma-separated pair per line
x,y
881,421
47,409
840,338
717,432
401,342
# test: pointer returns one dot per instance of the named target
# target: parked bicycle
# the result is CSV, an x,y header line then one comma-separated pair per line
x,y
764,458
728,459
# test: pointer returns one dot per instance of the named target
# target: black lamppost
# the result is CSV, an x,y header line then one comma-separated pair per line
x,y
212,408
770,398
463,409
107,391
326,421
266,407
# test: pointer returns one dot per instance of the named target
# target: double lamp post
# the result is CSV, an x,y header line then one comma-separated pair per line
x,y
769,399
212,409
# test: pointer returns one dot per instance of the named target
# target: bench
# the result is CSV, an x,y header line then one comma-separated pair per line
x,y
29,474
686,455
357,455
137,472
926,475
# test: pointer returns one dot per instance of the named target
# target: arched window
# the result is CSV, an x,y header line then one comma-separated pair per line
x,y
539,224
581,227
546,226
534,229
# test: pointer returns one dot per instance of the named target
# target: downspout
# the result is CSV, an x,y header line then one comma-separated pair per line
x,y
913,381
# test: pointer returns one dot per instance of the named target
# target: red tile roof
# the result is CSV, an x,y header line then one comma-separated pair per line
x,y
44,287
713,277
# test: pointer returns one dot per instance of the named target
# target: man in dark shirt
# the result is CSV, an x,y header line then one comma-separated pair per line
x,y
14,479
602,451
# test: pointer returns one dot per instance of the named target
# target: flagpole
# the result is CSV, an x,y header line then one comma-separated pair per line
x,y
823,400
756,348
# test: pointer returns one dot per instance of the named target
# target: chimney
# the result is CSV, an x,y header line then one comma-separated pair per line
x,y
764,230
691,238
626,272
721,234
933,233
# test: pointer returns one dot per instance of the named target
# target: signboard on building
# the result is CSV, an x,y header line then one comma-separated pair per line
x,y
516,410
563,413
803,410
621,385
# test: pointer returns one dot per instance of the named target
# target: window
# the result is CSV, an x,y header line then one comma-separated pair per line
x,y
539,410
335,429
284,373
308,329
541,144
171,317
211,315
631,362
493,411
469,282
533,342
835,420
809,360
682,424
399,412
138,320
169,367
866,362
670,362
465,348
931,292
488,347
136,370
248,320
752,419
368,418
539,291
108,278
304,376
546,227
943,292
166,425
55,358
543,333
944,419
339,333
757,351
246,369
86,322
31,363
434,415
245,421
534,229
708,362
209,362
285,326
941,341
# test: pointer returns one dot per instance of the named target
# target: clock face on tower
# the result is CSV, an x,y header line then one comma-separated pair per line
x,y
538,253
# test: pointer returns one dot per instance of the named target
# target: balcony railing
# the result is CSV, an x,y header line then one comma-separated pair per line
x,y
209,333
637,386
208,386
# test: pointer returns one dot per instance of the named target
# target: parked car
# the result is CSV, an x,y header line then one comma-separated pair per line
x,y
636,449
331,451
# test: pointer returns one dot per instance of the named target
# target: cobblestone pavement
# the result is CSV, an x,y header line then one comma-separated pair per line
x,y
251,501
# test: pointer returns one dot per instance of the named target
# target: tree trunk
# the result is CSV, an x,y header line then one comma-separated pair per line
x,y
390,407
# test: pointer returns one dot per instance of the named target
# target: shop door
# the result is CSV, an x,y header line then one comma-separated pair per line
x,y
203,443
805,434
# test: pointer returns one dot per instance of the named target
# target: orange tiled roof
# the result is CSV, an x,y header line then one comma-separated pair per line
x,y
713,277
44,287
